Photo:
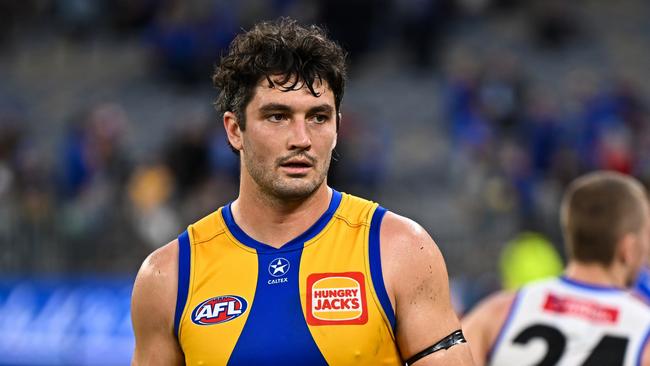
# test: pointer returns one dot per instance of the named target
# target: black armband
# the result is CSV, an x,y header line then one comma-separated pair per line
x,y
449,341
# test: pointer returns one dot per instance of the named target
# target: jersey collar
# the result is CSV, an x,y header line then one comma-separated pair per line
x,y
295,243
589,286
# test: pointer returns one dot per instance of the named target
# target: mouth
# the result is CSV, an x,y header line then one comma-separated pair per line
x,y
296,167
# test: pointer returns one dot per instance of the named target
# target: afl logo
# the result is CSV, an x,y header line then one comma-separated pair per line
x,y
219,309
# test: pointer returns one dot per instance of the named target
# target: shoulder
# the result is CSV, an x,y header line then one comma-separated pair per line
x,y
154,290
160,266
496,306
412,264
400,234
152,309
483,324
406,245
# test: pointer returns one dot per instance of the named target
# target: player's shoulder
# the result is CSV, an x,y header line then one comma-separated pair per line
x,y
404,231
484,322
495,305
405,241
408,251
154,291
158,275
161,261
502,302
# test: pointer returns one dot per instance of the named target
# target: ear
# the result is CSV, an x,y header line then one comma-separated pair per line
x,y
233,131
338,125
626,250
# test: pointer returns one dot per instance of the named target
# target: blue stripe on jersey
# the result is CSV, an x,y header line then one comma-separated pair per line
x,y
295,243
276,320
502,332
375,265
589,286
642,285
183,277
639,356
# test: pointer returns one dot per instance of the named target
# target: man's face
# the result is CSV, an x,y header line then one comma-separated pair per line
x,y
288,140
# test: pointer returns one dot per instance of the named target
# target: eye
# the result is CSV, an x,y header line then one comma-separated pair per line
x,y
320,118
276,117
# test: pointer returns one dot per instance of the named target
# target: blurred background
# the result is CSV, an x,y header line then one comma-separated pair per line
x,y
469,116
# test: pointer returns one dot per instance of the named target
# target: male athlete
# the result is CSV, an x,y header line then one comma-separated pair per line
x,y
586,317
293,272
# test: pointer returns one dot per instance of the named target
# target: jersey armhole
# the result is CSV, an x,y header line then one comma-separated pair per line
x,y
504,327
376,274
184,254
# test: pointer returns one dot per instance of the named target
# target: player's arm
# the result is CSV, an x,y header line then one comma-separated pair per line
x,y
645,356
152,309
417,283
483,324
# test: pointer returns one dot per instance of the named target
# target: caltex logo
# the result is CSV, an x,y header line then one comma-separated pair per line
x,y
279,267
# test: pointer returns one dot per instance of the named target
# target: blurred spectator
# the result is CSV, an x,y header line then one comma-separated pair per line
x,y
187,154
150,191
93,150
352,23
224,162
188,36
359,161
502,91
79,18
553,23
133,14
421,24
96,169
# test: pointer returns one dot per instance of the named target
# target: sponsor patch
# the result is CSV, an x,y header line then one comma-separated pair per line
x,y
581,308
219,309
336,298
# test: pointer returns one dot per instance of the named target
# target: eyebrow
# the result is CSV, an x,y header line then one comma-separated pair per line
x,y
277,107
274,107
323,108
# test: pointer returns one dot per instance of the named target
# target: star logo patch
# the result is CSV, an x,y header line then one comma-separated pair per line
x,y
279,267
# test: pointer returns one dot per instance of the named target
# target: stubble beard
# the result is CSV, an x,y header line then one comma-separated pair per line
x,y
285,188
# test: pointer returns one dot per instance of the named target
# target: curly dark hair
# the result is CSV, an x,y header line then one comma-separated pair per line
x,y
300,54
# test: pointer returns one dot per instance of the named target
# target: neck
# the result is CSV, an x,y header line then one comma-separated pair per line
x,y
274,221
596,274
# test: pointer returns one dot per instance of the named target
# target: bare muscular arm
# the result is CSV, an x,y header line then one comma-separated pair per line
x,y
152,309
417,283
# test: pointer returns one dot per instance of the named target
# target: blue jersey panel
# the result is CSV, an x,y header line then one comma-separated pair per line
x,y
276,318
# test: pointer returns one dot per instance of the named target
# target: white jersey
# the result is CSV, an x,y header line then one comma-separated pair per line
x,y
567,323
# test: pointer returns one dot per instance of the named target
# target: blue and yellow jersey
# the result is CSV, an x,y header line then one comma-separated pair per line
x,y
319,299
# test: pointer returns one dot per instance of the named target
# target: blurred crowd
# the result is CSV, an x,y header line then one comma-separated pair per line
x,y
535,139
82,200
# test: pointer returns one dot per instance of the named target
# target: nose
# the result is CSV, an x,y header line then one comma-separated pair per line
x,y
299,138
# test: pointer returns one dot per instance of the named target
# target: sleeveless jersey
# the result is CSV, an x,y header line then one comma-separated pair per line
x,y
319,299
568,323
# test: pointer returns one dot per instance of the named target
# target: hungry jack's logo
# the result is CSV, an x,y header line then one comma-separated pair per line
x,y
336,298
